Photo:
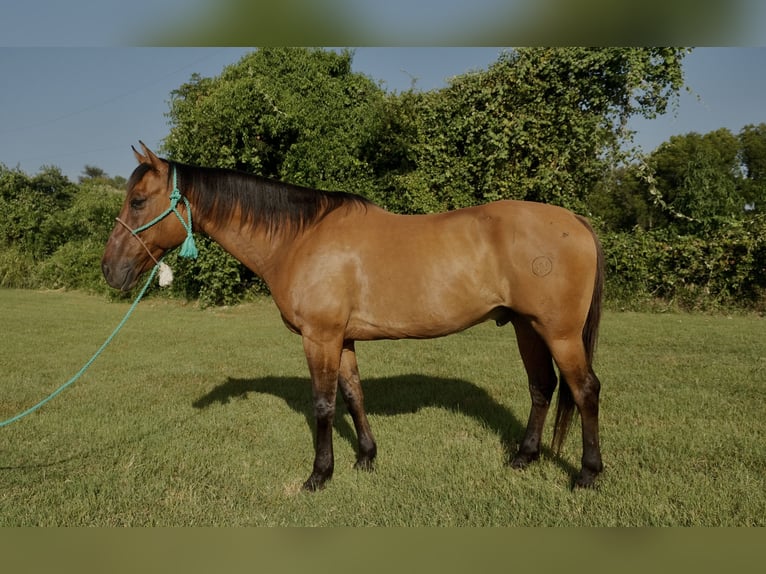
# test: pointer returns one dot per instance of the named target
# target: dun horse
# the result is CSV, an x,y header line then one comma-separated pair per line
x,y
340,270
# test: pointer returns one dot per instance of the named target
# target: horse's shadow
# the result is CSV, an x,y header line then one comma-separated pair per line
x,y
397,395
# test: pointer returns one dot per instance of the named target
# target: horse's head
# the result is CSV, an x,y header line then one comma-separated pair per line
x,y
136,244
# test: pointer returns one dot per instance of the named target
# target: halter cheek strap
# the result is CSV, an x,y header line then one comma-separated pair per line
x,y
188,247
141,241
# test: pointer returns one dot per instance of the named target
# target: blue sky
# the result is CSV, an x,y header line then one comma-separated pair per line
x,y
75,106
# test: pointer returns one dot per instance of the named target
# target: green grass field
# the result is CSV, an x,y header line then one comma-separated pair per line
x,y
204,418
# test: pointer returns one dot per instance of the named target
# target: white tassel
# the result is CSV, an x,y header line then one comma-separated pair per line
x,y
166,274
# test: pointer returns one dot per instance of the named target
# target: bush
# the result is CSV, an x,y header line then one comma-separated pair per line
x,y
74,265
727,268
16,269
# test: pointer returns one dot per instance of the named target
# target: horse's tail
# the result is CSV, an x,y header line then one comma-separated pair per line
x,y
565,407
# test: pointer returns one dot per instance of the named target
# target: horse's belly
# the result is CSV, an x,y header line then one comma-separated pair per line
x,y
428,328
430,313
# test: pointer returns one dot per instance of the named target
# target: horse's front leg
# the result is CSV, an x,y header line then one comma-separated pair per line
x,y
324,362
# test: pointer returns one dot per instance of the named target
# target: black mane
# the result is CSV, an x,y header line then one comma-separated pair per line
x,y
218,193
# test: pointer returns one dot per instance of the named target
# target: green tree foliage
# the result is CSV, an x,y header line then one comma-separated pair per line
x,y
692,183
621,200
698,178
685,226
28,205
293,114
753,157
724,267
537,125
92,172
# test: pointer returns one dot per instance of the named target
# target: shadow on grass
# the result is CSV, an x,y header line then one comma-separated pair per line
x,y
389,396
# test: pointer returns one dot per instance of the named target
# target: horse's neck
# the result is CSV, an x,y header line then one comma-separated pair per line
x,y
258,250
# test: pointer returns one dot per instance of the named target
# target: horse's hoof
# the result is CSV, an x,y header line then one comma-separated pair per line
x,y
586,479
521,461
315,482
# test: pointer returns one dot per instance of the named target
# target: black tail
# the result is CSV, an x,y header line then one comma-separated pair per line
x,y
565,406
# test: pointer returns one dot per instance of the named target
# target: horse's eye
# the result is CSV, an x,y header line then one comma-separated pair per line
x,y
137,203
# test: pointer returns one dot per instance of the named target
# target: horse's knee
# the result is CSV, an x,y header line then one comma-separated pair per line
x,y
324,408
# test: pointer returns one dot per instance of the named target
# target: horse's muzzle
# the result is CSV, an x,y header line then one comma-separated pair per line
x,y
121,277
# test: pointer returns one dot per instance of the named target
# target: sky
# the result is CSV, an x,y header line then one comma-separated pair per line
x,y
72,107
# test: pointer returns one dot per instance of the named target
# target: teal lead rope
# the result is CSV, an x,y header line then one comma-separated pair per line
x,y
188,249
93,358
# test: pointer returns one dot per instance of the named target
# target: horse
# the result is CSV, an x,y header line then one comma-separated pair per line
x,y
341,269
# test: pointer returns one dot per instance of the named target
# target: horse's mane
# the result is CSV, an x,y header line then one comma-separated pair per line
x,y
277,206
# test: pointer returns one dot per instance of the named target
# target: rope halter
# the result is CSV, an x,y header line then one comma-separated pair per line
x,y
188,247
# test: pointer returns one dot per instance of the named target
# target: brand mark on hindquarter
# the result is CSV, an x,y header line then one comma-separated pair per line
x,y
541,266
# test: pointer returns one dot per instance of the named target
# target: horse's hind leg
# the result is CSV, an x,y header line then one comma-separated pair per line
x,y
542,382
351,390
584,385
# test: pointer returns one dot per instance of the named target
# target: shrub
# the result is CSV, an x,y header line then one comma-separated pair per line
x,y
74,265
726,268
16,268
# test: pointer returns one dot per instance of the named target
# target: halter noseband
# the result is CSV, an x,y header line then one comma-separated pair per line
x,y
188,247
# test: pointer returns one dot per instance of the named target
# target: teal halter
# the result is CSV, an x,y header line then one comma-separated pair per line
x,y
188,247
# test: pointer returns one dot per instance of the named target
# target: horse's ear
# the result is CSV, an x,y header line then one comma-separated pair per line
x,y
139,158
150,158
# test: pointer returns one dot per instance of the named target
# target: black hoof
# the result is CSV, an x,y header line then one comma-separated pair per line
x,y
586,479
521,460
315,482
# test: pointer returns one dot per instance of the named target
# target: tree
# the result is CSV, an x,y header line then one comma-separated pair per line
x,y
621,200
540,124
293,114
92,172
28,205
52,232
698,180
752,140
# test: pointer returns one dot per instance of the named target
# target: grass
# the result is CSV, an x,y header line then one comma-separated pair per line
x,y
203,418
